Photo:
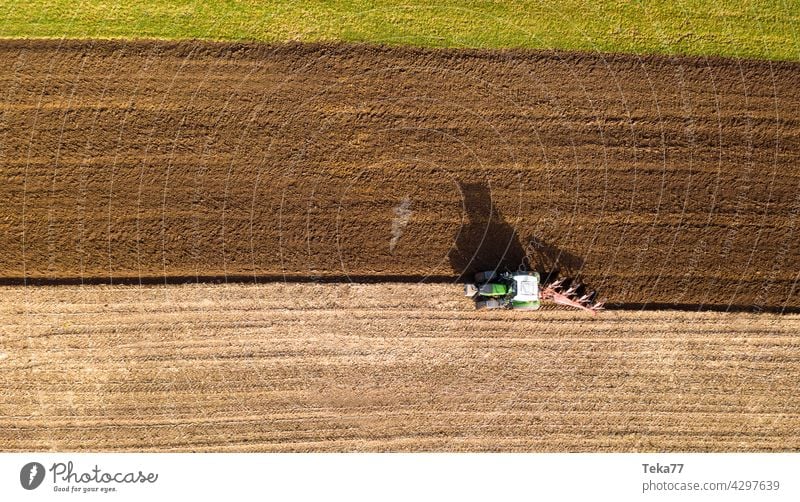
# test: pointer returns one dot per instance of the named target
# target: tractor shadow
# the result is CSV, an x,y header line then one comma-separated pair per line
x,y
487,241
551,261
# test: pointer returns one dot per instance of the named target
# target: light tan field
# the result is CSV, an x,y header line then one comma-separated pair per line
x,y
306,367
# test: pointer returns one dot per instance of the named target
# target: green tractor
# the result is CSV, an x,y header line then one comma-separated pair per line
x,y
503,290
522,290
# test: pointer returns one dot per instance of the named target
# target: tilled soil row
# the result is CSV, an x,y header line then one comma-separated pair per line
x,y
668,181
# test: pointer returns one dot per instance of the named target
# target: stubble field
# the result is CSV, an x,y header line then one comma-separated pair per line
x,y
288,367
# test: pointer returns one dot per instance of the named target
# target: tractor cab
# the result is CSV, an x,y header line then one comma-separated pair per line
x,y
526,291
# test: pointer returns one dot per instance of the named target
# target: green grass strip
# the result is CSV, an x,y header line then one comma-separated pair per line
x,y
736,28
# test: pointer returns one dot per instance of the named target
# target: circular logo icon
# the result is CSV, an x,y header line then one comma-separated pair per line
x,y
31,475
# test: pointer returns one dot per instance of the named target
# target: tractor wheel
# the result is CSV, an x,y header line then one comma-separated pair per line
x,y
485,276
489,304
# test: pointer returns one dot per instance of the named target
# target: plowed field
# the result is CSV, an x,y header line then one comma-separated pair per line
x,y
383,367
669,181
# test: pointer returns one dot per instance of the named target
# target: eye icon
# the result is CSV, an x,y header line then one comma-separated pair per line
x,y
31,475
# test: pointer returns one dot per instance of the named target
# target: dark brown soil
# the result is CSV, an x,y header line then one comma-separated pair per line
x,y
666,181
